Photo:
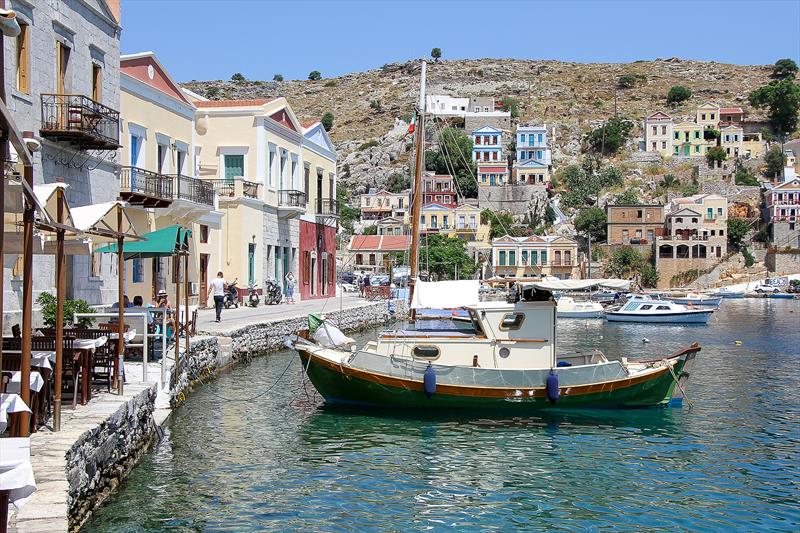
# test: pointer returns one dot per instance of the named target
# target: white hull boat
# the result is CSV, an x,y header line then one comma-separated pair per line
x,y
694,298
570,308
659,312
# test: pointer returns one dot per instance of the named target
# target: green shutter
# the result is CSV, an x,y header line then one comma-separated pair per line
x,y
234,166
512,258
502,260
534,257
544,257
524,257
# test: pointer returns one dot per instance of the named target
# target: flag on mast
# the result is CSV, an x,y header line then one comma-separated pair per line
x,y
413,124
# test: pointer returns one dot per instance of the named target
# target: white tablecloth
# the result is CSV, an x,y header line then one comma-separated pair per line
x,y
43,359
16,472
127,336
89,344
10,403
37,382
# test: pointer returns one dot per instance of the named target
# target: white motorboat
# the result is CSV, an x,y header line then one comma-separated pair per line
x,y
726,292
696,298
570,308
646,309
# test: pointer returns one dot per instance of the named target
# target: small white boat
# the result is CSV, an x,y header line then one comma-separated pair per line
x,y
695,298
645,309
570,308
725,292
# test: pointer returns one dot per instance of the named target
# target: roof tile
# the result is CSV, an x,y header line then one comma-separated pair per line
x,y
234,103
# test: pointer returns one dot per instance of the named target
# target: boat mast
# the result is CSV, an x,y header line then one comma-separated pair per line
x,y
416,191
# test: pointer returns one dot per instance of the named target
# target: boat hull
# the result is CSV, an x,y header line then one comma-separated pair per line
x,y
579,314
705,302
694,317
341,384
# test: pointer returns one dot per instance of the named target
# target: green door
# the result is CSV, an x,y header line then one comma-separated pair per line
x,y
251,264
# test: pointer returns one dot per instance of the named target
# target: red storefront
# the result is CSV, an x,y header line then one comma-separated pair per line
x,y
317,277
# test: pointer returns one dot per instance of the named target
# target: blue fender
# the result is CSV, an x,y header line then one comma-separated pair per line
x,y
429,381
552,387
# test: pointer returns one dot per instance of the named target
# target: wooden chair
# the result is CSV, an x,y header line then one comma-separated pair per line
x,y
111,347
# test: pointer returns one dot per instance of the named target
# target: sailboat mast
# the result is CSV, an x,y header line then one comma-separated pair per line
x,y
416,192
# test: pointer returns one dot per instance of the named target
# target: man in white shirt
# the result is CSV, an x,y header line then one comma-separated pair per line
x,y
217,286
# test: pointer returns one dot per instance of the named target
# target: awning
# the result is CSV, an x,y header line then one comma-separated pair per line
x,y
445,294
163,242
578,284
42,245
100,220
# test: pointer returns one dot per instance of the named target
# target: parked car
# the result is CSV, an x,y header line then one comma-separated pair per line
x,y
347,277
762,288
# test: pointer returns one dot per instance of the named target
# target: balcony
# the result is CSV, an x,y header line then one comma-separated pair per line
x,y
291,203
145,188
193,190
562,263
327,208
236,188
80,121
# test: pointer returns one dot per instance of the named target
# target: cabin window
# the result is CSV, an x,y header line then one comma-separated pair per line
x,y
504,352
662,308
646,307
426,352
512,321
476,323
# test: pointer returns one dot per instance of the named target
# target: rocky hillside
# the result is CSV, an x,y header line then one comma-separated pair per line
x,y
369,106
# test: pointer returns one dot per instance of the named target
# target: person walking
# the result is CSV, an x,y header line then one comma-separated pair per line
x,y
217,286
290,283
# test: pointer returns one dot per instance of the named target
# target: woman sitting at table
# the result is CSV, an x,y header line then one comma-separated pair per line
x,y
162,301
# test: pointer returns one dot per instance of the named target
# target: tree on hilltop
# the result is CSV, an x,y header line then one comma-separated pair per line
x,y
436,53
782,100
277,77
314,75
784,69
678,94
238,77
327,121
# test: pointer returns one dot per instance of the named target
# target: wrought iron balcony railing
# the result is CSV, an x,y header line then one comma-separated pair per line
x,y
79,120
233,188
192,189
143,187
291,198
328,207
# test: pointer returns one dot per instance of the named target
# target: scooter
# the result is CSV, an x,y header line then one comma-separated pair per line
x,y
272,292
252,298
231,295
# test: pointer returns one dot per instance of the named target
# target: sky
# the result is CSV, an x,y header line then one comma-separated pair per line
x,y
212,39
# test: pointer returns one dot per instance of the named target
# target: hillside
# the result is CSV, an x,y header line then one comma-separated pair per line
x,y
366,105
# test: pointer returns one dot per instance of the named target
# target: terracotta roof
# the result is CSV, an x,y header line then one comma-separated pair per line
x,y
383,243
234,103
731,110
308,123
492,169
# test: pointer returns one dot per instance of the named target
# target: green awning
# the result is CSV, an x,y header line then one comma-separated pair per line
x,y
163,242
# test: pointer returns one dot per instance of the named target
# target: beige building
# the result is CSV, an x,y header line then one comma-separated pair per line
x,y
658,133
376,205
708,115
157,176
535,256
634,224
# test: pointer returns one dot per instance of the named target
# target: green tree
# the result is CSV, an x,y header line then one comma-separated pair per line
x,y
277,77
627,81
737,230
715,154
327,121
212,93
314,75
784,69
749,260
781,98
500,223
48,303
629,197
678,94
398,182
649,276
370,230
775,159
347,214
454,157
436,53
670,181
592,221
610,137
549,215
445,257
745,176
238,77
624,262
512,105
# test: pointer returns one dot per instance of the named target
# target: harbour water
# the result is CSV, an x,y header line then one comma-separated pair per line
x,y
255,451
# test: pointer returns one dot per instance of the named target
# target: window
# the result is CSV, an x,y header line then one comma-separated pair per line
x,y
663,145
710,212
307,267
712,116
534,257
372,259
97,82
234,166
62,62
426,352
697,149
434,221
203,233
696,134
359,259
544,257
677,135
663,130
271,172
524,257
694,220
719,211
23,60
307,180
512,258
512,321
138,274
445,221
702,116
540,137
502,261
472,221
721,233
422,220
94,266
646,307
662,308
638,213
161,160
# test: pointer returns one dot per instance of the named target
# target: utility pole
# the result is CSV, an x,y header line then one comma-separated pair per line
x,y
590,255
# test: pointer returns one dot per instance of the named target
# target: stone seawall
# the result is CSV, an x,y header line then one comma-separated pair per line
x,y
205,358
102,456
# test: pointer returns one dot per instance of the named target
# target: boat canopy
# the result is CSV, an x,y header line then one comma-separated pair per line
x,y
578,284
445,294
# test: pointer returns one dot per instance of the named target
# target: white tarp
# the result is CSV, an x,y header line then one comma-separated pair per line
x,y
330,336
579,284
445,294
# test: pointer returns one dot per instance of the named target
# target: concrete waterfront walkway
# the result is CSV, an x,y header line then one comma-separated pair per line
x,y
47,510
247,316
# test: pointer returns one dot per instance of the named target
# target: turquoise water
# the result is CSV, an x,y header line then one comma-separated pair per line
x,y
282,462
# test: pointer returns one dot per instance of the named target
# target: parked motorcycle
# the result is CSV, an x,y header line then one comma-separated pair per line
x,y
231,295
252,298
272,292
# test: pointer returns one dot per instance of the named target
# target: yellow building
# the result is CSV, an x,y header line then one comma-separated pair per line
x,y
658,133
687,140
535,256
276,180
157,175
708,115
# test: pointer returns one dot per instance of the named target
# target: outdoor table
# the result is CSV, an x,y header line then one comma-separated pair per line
x,y
84,349
17,483
43,359
36,379
10,404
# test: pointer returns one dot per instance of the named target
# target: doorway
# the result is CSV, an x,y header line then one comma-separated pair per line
x,y
324,268
251,264
203,280
314,276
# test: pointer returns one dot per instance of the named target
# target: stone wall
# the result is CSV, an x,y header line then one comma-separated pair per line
x,y
514,199
783,263
669,267
205,359
102,456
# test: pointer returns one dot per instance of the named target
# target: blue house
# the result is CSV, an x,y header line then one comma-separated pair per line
x,y
532,144
487,144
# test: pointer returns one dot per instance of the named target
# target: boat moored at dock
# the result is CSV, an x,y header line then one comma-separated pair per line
x,y
645,309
